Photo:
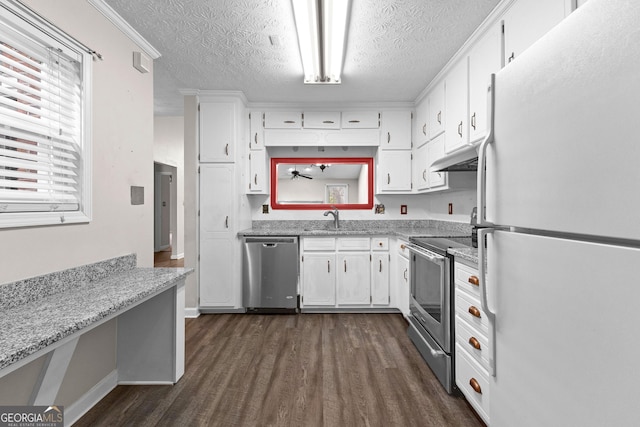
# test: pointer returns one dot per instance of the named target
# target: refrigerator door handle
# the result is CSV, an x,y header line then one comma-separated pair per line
x,y
484,303
482,156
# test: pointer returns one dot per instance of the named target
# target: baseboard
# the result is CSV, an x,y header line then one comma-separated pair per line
x,y
75,411
179,256
206,310
191,312
145,383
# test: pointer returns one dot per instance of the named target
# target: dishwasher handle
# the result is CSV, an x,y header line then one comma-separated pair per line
x,y
271,240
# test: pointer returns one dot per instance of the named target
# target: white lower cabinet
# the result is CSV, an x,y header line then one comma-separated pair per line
x,y
473,350
380,279
340,272
218,275
318,278
402,276
353,278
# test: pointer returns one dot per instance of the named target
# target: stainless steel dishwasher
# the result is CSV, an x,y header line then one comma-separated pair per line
x,y
270,273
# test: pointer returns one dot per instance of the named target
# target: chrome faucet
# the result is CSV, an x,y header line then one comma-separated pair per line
x,y
336,216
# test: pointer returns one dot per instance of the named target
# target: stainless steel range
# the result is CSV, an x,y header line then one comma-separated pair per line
x,y
431,303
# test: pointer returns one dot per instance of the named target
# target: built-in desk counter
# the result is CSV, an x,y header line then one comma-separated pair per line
x,y
46,315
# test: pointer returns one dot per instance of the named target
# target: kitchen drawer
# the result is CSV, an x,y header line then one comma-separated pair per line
x,y
380,244
319,244
402,248
465,278
360,120
464,304
468,370
466,334
354,243
282,120
321,120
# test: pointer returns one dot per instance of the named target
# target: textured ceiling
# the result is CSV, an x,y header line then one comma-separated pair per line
x,y
394,48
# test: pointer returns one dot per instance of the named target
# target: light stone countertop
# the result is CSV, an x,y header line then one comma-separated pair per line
x,y
468,254
397,228
43,319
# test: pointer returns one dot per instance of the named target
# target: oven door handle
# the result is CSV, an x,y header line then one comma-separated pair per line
x,y
431,256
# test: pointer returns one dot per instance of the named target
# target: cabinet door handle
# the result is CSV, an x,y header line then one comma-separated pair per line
x,y
255,179
255,138
388,137
473,342
226,149
345,265
226,221
439,117
474,311
388,178
354,121
424,129
329,122
473,121
512,57
474,280
328,266
424,175
403,247
475,385
380,266
405,274
460,129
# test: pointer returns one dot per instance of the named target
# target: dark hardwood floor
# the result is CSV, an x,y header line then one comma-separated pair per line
x,y
292,370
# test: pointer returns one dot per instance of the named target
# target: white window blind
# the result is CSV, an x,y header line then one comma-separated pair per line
x,y
42,152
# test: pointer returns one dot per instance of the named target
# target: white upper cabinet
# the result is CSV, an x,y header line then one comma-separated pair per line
x,y
484,59
360,120
421,122
420,169
394,171
396,130
456,93
528,20
217,132
321,120
436,111
282,120
435,151
258,177
256,130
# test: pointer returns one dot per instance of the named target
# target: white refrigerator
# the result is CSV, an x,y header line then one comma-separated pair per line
x,y
559,190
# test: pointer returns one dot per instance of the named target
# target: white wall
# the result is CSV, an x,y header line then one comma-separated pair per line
x,y
122,156
168,148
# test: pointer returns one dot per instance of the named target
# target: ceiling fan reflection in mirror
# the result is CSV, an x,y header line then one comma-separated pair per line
x,y
295,174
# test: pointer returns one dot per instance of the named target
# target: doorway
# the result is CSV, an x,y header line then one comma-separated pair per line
x,y
165,212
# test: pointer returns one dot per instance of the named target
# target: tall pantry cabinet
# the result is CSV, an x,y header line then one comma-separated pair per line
x,y
223,208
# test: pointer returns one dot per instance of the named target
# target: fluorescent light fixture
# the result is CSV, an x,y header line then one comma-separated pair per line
x,y
322,30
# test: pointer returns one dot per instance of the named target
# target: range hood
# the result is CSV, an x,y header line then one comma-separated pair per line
x,y
463,160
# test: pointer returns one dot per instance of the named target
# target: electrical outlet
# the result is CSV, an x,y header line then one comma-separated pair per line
x,y
265,209
450,208
403,209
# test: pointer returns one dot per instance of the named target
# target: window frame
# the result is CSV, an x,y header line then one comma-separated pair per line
x,y
36,28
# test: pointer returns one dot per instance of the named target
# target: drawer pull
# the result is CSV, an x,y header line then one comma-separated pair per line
x,y
380,244
289,122
403,247
475,385
474,280
474,311
328,122
354,121
475,343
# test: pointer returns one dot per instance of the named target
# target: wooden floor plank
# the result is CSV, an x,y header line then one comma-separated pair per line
x,y
292,370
